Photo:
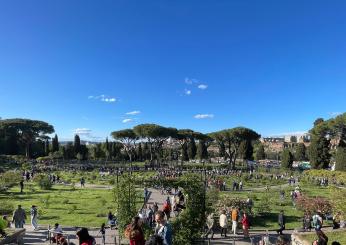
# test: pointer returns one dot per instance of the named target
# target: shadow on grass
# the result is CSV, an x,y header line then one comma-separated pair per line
x,y
268,220
49,217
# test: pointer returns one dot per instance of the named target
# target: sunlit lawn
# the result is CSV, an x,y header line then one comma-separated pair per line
x,y
66,205
272,197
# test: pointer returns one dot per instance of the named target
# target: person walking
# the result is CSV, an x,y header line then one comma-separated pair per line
x,y
282,222
246,225
34,214
234,217
103,233
163,229
19,217
223,223
210,225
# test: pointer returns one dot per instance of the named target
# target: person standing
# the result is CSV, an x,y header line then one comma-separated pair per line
x,y
223,223
82,182
282,222
34,214
21,185
163,228
19,217
246,225
234,220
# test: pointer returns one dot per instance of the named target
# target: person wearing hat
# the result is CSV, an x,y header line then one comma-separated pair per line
x,y
33,214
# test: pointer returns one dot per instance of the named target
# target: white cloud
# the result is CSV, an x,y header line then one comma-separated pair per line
x,y
103,98
82,131
203,116
202,86
86,134
133,113
297,133
187,92
108,100
127,120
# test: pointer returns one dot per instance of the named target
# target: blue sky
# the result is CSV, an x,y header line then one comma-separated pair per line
x,y
273,66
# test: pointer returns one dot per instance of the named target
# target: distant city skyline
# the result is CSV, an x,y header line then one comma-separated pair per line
x,y
95,67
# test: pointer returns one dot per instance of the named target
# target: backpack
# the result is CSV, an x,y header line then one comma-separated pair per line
x,y
316,222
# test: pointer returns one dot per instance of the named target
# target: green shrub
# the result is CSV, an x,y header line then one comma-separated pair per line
x,y
43,181
9,179
45,200
3,224
6,207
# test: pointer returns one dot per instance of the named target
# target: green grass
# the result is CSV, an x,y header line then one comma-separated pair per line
x,y
272,198
66,206
338,235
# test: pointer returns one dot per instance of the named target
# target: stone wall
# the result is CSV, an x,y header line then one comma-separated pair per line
x,y
15,237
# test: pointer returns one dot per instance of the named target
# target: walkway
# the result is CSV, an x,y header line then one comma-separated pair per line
x,y
238,239
40,236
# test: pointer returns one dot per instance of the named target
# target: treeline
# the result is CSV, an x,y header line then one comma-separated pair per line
x,y
149,142
327,146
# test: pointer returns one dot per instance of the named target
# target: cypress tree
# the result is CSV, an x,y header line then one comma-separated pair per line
x,y
76,144
192,150
260,155
319,152
287,159
340,157
202,152
222,150
46,147
184,154
140,152
55,143
300,152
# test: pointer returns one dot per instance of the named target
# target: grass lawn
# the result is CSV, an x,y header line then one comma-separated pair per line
x,y
65,205
338,235
274,205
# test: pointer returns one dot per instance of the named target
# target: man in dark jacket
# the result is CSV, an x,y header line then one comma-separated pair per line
x,y
281,221
19,217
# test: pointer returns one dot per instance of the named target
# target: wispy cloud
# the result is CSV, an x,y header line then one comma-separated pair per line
x,y
202,86
335,113
203,116
86,134
190,80
82,131
103,98
187,92
297,133
127,120
133,113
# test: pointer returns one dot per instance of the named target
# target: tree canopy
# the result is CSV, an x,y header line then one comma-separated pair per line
x,y
155,135
27,130
232,139
127,138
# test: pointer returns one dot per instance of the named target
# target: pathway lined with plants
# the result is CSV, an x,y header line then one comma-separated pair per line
x,y
157,197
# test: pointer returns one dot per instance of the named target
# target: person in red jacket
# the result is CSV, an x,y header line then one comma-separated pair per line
x,y
134,232
246,225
